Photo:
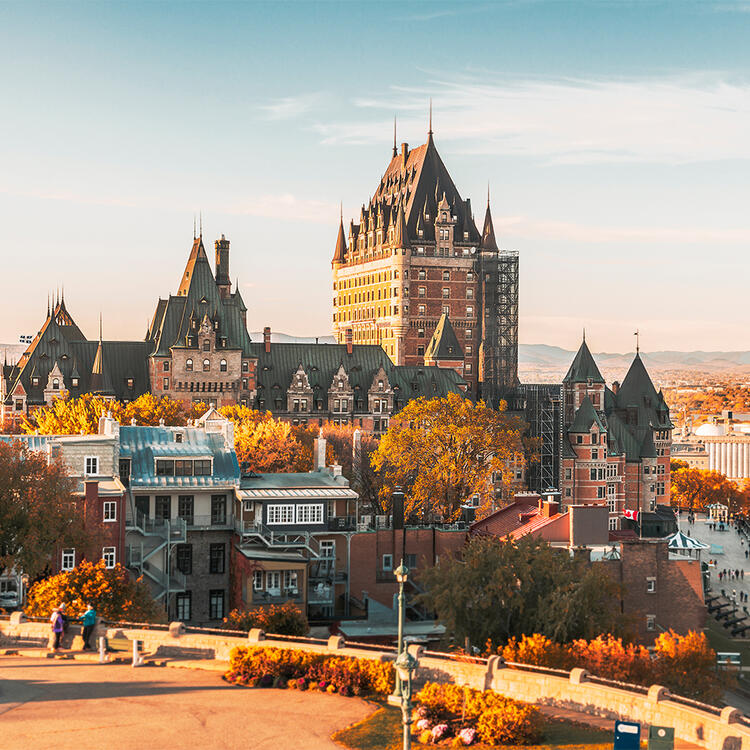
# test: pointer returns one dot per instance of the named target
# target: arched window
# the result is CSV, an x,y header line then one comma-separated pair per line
x,y
189,365
55,384
206,365
223,365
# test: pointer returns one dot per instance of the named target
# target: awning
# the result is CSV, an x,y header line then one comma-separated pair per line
x,y
682,541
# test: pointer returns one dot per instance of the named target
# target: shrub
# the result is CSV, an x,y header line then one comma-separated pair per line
x,y
306,670
282,619
498,720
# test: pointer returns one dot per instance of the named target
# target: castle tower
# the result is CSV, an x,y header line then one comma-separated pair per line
x,y
222,267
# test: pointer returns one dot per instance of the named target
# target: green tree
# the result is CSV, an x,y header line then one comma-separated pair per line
x,y
444,450
38,513
503,589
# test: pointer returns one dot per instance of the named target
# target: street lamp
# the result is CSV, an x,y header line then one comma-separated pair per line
x,y
402,576
405,665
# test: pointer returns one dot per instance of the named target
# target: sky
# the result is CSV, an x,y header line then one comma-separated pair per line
x,y
613,135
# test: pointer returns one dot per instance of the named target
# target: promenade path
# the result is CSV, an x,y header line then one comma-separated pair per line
x,y
71,705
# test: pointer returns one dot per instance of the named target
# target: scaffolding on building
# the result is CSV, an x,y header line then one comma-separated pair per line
x,y
543,413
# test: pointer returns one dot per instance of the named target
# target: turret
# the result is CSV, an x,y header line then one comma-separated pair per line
x,y
223,284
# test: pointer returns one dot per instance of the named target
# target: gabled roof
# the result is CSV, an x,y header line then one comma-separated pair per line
x,y
583,368
585,417
444,342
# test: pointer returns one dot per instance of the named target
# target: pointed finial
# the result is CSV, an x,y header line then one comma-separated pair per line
x,y
62,293
341,211
194,235
488,193
100,327
395,150
48,304
200,225
584,335
429,132
637,335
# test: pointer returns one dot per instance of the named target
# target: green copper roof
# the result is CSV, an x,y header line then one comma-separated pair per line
x,y
583,368
585,417
444,342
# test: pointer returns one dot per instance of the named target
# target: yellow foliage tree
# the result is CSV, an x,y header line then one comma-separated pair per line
x,y
444,450
112,592
694,489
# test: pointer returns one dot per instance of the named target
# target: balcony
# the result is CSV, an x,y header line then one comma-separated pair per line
x,y
342,523
265,597
203,523
320,594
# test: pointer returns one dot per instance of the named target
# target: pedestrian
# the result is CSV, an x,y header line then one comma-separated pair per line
x,y
64,618
742,574
736,573
89,621
57,628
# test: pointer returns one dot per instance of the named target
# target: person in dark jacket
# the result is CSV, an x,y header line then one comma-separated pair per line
x,y
89,622
56,621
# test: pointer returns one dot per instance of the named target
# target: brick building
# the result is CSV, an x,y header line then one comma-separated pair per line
x,y
416,255
615,442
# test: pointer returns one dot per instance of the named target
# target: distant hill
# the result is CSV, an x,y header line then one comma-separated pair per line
x,y
285,338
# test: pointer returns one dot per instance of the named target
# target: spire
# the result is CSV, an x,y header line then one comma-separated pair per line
x,y
48,304
339,254
488,233
637,335
194,227
429,132
100,326
97,369
200,226
395,150
583,368
401,238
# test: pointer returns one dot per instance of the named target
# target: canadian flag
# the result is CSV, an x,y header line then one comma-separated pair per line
x,y
631,514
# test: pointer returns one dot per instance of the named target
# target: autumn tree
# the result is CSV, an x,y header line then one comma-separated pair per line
x,y
38,514
73,416
695,489
443,451
112,592
503,589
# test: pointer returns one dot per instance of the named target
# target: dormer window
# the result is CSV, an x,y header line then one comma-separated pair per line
x,y
74,382
55,384
35,380
178,437
206,345
380,385
341,383
130,383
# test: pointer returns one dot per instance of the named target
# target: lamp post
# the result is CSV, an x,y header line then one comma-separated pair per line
x,y
405,665
402,576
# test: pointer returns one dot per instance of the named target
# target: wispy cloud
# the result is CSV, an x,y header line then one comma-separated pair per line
x,y
67,196
287,207
670,119
290,107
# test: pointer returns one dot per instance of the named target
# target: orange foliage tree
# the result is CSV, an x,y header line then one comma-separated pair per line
x,y
112,592
695,489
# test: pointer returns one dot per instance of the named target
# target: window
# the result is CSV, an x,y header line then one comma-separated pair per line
x,y
124,467
166,367
469,293
411,562
257,580
387,562
290,581
185,506
579,439
245,366
568,492
183,606
109,510
223,366
469,276
109,556
420,333
218,510
74,382
130,383
592,474
206,365
68,559
421,274
660,486
216,557
601,492
446,310
55,384
185,558
446,292
650,622
309,513
206,345
91,465
468,333
422,291
468,350
651,585
468,367
594,453
273,582
189,365
166,384
568,474
163,507
35,380
277,514
420,350
420,309
446,275
469,311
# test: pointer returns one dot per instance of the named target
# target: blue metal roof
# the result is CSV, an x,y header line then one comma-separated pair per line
x,y
144,444
32,442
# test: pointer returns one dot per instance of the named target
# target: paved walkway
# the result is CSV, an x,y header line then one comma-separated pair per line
x,y
71,705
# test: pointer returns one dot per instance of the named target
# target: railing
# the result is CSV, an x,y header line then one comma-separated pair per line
x,y
263,597
342,523
208,522
172,529
278,539
320,595
175,581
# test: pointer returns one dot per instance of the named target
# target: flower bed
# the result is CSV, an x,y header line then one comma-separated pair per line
x,y
462,716
302,670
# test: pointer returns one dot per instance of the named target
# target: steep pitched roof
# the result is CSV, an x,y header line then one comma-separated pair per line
x,y
583,367
585,417
339,254
637,393
444,342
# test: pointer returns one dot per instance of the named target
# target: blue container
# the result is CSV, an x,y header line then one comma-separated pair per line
x,y
627,735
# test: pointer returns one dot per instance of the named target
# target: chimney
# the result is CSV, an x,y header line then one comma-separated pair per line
x,y
615,387
349,340
222,267
267,339
404,153
398,499
319,452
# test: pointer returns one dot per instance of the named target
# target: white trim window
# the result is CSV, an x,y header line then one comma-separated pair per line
x,y
91,465
310,513
278,514
109,555
273,582
257,580
109,511
328,549
290,581
68,559
387,562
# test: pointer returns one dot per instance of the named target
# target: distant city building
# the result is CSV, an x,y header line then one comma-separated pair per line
x,y
415,265
719,446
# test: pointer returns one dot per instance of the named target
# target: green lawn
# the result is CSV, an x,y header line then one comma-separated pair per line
x,y
382,731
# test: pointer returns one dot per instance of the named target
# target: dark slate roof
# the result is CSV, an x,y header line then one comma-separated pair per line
x,y
637,396
321,363
585,417
583,368
143,444
620,439
339,253
488,232
60,342
198,297
444,342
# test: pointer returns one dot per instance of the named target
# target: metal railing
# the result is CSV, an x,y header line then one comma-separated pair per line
x,y
278,539
208,522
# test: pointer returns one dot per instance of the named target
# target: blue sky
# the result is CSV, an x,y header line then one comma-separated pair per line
x,y
614,136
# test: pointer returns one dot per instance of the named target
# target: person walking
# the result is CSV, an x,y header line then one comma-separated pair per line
x,y
57,628
89,621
